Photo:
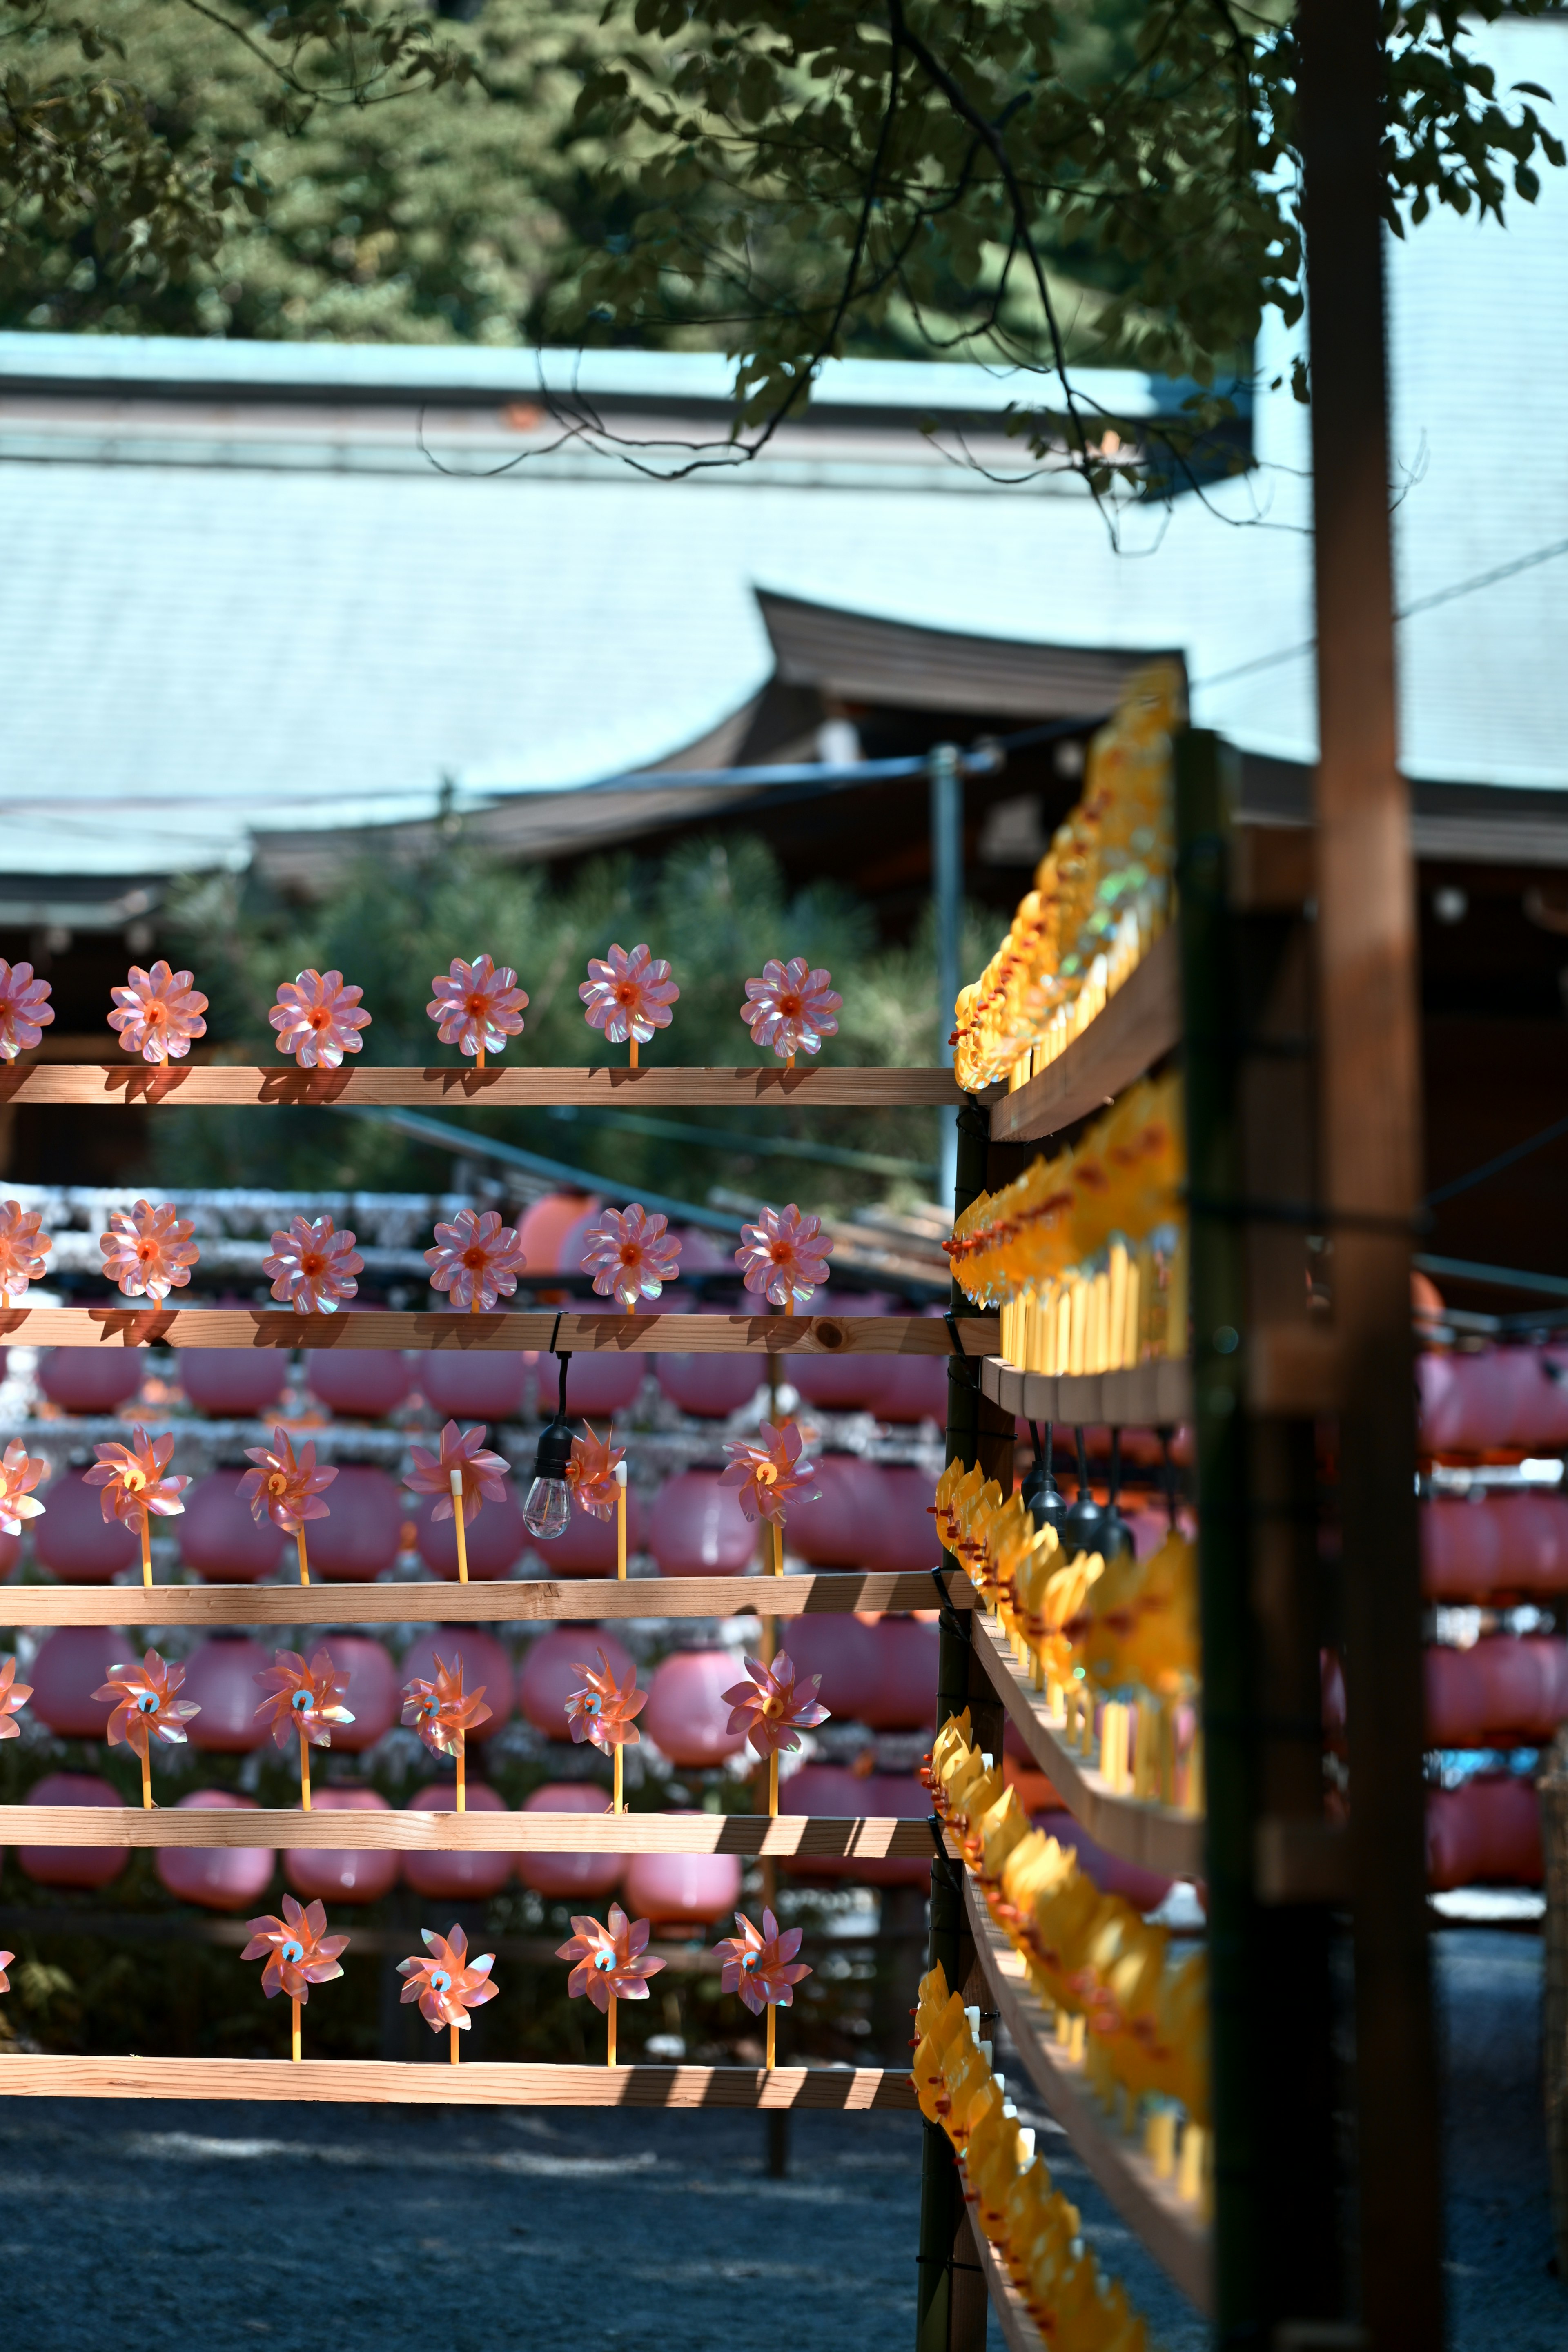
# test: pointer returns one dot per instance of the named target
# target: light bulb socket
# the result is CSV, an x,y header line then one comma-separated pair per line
x,y
553,1457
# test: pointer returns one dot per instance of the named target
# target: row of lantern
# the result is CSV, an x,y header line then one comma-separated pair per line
x,y
1503,1399
1488,1830
1475,1548
867,1516
1501,1690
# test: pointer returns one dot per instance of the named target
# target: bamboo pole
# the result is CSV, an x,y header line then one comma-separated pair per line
x,y
461,1528
304,1771
304,1563
295,2007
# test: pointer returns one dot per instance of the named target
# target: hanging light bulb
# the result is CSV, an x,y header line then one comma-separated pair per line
x,y
548,1510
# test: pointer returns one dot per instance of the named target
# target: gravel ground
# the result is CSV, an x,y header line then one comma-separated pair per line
x,y
394,2229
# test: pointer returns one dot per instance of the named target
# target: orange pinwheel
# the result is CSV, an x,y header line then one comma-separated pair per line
x,y
445,1985
609,1962
769,1709
288,1487
479,1474
762,1968
19,1474
440,1712
147,1710
14,1698
136,1488
298,1953
303,1702
602,1710
591,1473
5,1961
769,1474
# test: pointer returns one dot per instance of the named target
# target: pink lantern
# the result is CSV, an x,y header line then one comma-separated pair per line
x,y
696,1528
843,1383
330,1873
1471,1404
10,1553
495,1539
712,1387
1532,1541
1455,1698
904,1536
71,1865
74,1538
363,1534
218,1537
1449,1839
363,1383
90,1380
220,1678
483,1661
454,1876
912,1389
570,1877
549,1673
843,1650
1504,1830
1461,1551
234,1383
1144,1889
835,1793
221,1877
547,1231
480,1386
687,1715
71,1664
843,1528
903,1695
1524,1686
681,1890
587,1547
374,1695
601,1381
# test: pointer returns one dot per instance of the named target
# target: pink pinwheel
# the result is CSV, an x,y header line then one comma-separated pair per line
x,y
298,1953
5,1961
770,1710
148,1251
591,1473
444,1715
630,1256
19,1474
609,1962
14,1698
25,1009
762,1968
790,1008
445,1985
159,1014
784,1255
313,1267
478,1008
286,1485
627,996
770,1475
136,1489
462,1466
476,1260
304,1702
602,1710
147,1710
23,1249
316,1020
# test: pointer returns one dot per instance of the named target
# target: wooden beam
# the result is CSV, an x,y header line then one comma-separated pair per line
x,y
642,1335
1019,2333
379,2082
1145,1396
1137,1027
799,1834
182,1086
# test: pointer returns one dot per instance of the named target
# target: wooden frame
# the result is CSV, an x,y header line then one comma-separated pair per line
x,y
1155,1395
479,2083
800,1835
541,1328
186,1086
1135,1029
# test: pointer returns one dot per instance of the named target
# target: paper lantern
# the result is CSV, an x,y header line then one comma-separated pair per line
x,y
1474,1403
457,1877
599,1381
374,1695
495,1539
681,1890
1461,1551
1532,1541
1144,1889
221,1877
1487,1831
10,1553
363,1534
560,1218
234,1383
903,1532
364,1384
72,1865
912,1389
74,1540
218,1537
843,1528
550,1673
588,1545
903,1689
330,1873
483,1660
687,1716
220,1678
835,1793
480,1386
71,1664
696,1528
570,1877
843,1383
712,1387
90,1380
843,1650
1524,1686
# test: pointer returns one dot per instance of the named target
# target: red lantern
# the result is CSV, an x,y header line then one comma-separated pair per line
x,y
601,1382
363,1534
696,1528
843,1650
681,1890
218,1537
687,1715
560,1218
484,1663
1532,1541
234,1383
843,1383
456,1877
1472,1404
550,1671
1455,1698
374,1695
90,1380
904,1536
364,1384
587,1547
903,1695
1524,1686
332,1873
843,1528
74,1662
480,1386
219,1877
1449,1839
495,1539
72,1865
570,1877
912,1389
1461,1551
220,1678
75,1539
711,1386
1504,1830
836,1794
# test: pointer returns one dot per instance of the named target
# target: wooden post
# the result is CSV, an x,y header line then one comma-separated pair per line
x,y
1370,1110
1553,1786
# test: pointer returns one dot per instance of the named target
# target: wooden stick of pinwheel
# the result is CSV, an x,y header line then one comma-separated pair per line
x,y
772,1713
762,1969
446,1985
603,1711
444,1715
288,1487
147,1710
303,1703
609,1965
136,1486
463,1476
299,1954
621,1522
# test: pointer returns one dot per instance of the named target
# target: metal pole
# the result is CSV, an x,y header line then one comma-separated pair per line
x,y
946,775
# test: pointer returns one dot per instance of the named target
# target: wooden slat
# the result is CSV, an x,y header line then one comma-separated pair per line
x,y
641,1335
1154,1837
181,1085
1172,2230
503,1601
381,2082
1019,2333
800,1834
1146,1396
1139,1025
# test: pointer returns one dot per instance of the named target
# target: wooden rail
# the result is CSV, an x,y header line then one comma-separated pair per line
x,y
799,1834
182,1086
1019,2333
1134,1028
380,2082
502,1601
1152,1836
641,1335
1173,2230
1145,1396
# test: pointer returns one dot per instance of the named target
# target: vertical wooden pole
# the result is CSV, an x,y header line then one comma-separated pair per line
x,y
1370,1107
